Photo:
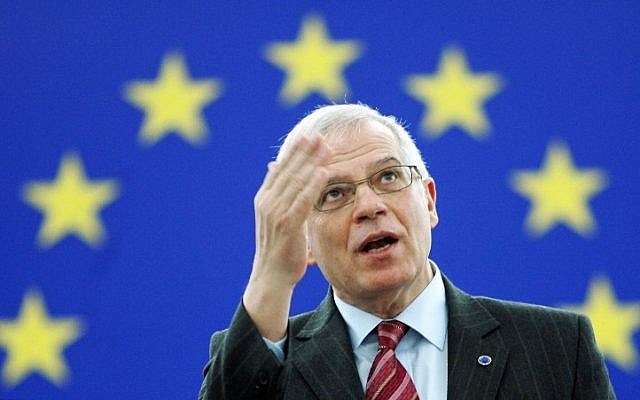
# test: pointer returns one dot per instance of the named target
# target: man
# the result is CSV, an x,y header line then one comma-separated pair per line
x,y
350,193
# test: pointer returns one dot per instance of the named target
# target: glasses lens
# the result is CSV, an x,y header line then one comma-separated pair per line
x,y
335,196
391,179
388,180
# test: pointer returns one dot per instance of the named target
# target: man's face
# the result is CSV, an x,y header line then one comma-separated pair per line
x,y
378,246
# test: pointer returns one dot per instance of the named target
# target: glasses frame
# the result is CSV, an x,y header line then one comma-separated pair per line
x,y
412,169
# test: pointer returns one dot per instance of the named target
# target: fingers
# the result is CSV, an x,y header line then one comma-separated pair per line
x,y
305,151
282,205
301,144
299,172
309,194
305,180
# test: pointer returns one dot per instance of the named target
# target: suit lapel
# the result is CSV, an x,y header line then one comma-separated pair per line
x,y
323,355
472,332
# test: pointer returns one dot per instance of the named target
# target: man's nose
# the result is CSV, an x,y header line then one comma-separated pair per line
x,y
367,203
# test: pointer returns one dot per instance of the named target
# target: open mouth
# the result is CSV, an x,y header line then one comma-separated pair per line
x,y
378,245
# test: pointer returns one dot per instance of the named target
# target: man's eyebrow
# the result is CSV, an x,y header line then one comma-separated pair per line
x,y
385,160
376,164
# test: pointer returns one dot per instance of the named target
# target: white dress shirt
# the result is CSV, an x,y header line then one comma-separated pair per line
x,y
422,351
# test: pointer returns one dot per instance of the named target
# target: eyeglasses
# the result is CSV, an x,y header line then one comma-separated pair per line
x,y
387,180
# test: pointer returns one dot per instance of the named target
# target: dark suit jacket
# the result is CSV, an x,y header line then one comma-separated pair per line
x,y
537,353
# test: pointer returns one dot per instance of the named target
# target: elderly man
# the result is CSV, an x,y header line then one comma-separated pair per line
x,y
350,193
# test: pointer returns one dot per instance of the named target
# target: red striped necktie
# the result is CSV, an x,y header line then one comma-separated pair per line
x,y
388,380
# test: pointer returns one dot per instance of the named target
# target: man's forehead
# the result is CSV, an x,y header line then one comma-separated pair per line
x,y
367,136
362,148
383,162
355,170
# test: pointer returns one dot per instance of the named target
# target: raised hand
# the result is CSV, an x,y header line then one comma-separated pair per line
x,y
282,206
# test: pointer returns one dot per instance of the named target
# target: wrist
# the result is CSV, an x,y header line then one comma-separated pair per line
x,y
268,306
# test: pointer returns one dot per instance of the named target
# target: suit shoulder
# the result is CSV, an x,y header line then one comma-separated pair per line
x,y
297,322
523,314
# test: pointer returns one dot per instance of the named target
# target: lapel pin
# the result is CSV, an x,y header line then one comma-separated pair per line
x,y
484,360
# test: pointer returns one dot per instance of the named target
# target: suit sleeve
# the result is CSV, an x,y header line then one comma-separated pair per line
x,y
241,366
592,379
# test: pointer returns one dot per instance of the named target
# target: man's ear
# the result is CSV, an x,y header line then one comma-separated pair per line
x,y
430,192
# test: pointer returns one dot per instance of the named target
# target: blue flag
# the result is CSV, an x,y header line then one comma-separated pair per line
x,y
135,138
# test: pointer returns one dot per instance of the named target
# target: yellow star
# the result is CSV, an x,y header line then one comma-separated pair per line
x,y
614,323
34,342
70,204
559,193
313,63
173,103
454,96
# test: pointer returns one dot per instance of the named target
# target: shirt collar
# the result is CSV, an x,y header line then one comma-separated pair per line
x,y
427,314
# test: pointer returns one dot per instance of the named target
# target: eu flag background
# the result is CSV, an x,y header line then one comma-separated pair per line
x,y
135,135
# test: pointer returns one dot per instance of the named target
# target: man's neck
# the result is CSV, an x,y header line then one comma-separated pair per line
x,y
387,304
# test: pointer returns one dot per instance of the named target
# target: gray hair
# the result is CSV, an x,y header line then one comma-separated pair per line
x,y
339,119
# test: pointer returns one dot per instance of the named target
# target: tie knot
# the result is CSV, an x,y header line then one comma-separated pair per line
x,y
390,333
